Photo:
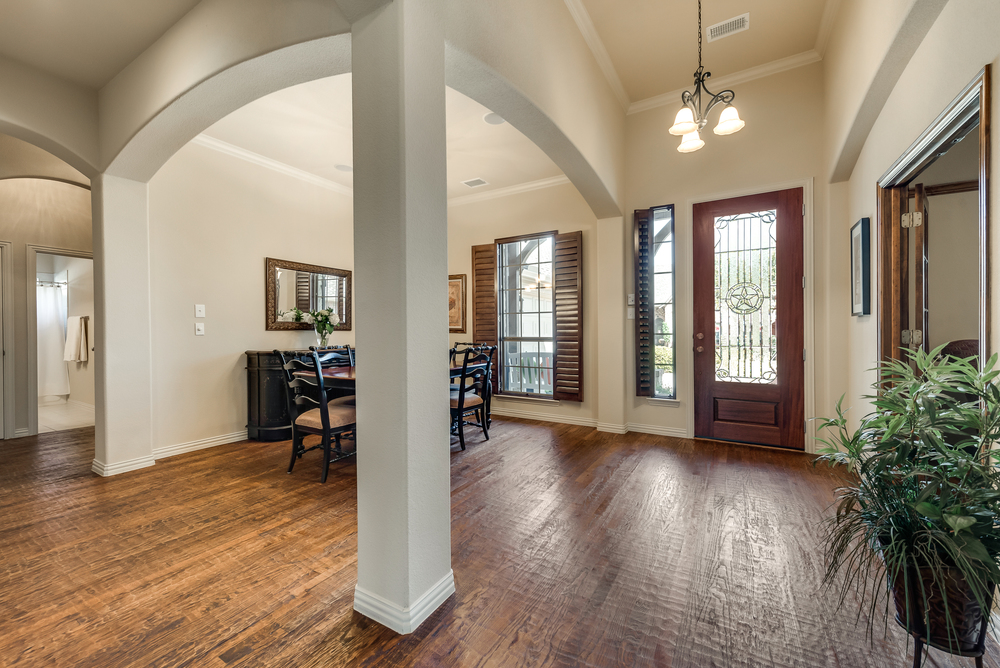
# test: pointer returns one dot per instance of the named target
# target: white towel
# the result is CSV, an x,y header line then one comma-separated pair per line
x,y
77,339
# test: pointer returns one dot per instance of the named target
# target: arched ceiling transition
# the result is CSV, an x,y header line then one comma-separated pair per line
x,y
309,128
19,159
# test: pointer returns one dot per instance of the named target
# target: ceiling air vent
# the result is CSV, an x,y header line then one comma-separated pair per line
x,y
475,183
730,27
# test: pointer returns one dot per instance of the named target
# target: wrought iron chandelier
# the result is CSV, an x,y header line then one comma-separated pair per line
x,y
693,117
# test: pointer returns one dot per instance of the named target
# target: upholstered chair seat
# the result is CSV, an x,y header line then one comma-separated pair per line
x,y
340,416
471,400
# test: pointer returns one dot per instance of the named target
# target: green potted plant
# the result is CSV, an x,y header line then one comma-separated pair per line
x,y
917,517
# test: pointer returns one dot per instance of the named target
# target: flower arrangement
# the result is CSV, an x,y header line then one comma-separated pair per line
x,y
323,321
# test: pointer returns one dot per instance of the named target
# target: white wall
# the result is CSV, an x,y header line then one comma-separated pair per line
x,y
960,43
81,302
213,220
953,245
559,208
782,142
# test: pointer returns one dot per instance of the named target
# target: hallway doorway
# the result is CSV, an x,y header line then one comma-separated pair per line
x,y
63,338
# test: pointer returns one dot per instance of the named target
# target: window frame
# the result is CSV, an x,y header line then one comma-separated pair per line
x,y
646,301
673,294
501,339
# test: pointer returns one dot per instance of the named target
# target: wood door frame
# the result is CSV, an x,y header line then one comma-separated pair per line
x,y
684,253
32,269
972,105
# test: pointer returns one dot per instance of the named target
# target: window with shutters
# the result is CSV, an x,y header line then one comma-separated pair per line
x,y
528,301
655,343
526,315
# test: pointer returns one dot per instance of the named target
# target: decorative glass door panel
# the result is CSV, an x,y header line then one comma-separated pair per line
x,y
746,302
748,319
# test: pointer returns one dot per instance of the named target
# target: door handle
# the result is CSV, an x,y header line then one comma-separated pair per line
x,y
700,349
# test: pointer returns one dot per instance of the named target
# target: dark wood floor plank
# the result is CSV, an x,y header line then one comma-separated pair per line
x,y
570,547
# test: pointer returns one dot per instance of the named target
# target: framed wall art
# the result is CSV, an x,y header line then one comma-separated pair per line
x,y
861,268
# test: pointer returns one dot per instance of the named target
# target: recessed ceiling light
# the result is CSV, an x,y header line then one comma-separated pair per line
x,y
494,118
475,183
344,168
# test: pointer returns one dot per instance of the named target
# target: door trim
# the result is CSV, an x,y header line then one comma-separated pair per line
x,y
684,250
32,265
7,335
974,102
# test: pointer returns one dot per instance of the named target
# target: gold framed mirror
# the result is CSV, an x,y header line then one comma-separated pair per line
x,y
306,287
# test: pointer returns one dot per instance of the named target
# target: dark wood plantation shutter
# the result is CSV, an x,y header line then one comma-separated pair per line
x,y
302,291
568,295
643,303
484,301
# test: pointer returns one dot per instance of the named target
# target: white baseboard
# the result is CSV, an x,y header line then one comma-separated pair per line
x,y
543,417
105,470
612,428
22,432
404,620
655,429
201,444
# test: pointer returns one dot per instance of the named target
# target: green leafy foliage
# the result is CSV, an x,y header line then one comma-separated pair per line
x,y
922,491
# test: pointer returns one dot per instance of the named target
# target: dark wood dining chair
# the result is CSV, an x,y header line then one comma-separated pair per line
x,y
335,355
311,413
469,396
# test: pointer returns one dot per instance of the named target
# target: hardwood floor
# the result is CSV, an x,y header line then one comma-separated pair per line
x,y
570,548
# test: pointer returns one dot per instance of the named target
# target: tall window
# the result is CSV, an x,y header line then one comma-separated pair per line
x,y
655,373
526,315
663,302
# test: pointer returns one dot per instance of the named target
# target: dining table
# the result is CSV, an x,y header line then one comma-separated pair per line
x,y
343,378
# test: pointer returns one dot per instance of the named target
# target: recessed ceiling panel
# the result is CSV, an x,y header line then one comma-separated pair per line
x,y
653,44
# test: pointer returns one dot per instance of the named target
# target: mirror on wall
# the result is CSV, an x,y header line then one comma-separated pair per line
x,y
306,287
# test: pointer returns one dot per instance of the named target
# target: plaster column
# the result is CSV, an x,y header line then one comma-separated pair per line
x,y
611,304
401,267
122,330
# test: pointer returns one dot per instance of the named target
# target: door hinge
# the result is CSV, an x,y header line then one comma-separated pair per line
x,y
911,336
803,354
915,219
803,282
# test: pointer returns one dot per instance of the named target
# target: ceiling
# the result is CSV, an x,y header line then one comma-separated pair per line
x,y
85,41
309,127
653,44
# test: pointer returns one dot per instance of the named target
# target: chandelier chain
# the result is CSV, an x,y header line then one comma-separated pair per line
x,y
699,34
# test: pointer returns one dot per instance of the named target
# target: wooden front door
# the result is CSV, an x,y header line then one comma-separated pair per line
x,y
749,372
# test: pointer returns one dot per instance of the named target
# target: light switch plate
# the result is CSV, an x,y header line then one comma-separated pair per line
x,y
199,329
631,313
631,300
199,310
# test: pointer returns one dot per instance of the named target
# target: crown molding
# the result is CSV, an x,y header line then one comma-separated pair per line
x,y
509,190
743,76
263,161
826,26
593,40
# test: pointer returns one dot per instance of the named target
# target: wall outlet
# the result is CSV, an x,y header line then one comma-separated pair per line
x,y
631,300
199,329
631,313
199,310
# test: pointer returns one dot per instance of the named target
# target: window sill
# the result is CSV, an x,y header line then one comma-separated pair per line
x,y
530,400
673,403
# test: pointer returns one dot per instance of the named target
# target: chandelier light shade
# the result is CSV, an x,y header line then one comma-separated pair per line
x,y
683,123
729,122
691,142
693,116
